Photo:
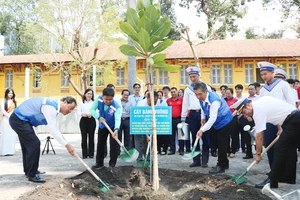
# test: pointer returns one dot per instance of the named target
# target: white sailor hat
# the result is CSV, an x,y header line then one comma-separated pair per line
x,y
266,66
239,105
280,73
193,70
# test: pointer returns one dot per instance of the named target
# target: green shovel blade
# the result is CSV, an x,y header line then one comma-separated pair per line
x,y
130,155
142,163
240,179
190,155
107,188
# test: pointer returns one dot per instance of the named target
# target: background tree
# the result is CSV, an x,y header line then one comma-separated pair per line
x,y
167,9
250,34
221,16
78,24
16,18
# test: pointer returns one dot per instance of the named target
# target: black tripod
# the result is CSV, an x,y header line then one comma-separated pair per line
x,y
47,144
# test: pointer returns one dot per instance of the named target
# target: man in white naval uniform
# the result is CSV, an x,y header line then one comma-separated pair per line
x,y
277,112
276,88
196,116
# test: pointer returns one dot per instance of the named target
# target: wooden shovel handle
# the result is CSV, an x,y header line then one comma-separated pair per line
x,y
264,152
87,167
111,132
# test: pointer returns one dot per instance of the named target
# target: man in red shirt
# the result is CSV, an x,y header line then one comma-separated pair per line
x,y
176,103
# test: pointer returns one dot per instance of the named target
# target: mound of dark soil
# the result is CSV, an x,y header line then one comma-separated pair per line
x,y
134,184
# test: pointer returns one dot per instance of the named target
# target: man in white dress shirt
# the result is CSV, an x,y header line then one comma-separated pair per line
x,y
134,100
280,113
34,112
277,88
196,116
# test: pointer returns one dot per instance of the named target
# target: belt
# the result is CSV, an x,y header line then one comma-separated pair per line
x,y
290,115
195,110
124,118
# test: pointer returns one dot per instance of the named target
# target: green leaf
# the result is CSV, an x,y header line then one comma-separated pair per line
x,y
130,50
140,5
166,67
153,15
144,39
159,57
137,45
147,3
240,190
150,61
162,46
154,39
144,22
141,13
132,18
162,28
129,30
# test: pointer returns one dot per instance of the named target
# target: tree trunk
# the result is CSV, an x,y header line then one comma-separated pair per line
x,y
131,76
155,178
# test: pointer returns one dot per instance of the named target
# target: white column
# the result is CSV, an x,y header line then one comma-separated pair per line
x,y
27,82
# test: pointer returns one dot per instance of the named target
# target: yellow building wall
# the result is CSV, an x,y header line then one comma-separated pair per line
x,y
51,81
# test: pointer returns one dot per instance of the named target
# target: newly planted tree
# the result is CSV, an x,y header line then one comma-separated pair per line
x,y
148,32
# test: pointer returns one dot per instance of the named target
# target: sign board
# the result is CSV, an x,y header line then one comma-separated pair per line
x,y
141,120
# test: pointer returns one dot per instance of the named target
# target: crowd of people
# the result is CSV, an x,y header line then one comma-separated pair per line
x,y
217,118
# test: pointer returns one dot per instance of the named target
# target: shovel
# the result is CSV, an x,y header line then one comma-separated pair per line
x,y
105,187
145,163
193,153
130,155
241,179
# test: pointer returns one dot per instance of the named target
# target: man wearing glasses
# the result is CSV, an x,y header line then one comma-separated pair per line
x,y
35,112
133,101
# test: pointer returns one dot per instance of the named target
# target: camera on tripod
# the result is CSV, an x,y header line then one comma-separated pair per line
x,y
48,143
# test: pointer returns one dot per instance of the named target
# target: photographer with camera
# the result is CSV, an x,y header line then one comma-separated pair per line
x,y
35,112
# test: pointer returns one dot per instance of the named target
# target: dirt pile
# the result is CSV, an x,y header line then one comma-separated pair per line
x,y
134,184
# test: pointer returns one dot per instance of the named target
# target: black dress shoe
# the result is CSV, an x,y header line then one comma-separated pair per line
x,y
247,157
37,172
262,184
188,151
91,156
195,165
274,184
204,165
97,166
84,157
216,170
181,153
36,179
171,153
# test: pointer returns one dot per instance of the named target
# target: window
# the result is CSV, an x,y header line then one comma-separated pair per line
x,y
99,79
249,73
215,74
37,78
120,76
163,77
184,76
64,80
9,79
293,70
228,73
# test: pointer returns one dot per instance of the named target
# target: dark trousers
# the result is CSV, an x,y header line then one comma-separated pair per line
x,y
234,135
285,151
213,140
194,122
172,138
125,128
30,144
162,143
269,136
114,147
222,139
245,135
87,129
